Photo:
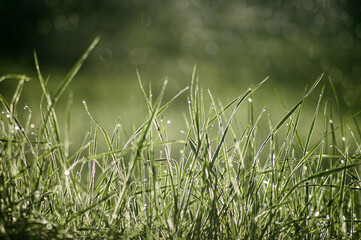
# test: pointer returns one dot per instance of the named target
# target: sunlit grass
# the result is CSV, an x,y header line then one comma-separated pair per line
x,y
220,180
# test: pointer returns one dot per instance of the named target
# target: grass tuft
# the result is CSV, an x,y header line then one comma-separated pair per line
x,y
221,180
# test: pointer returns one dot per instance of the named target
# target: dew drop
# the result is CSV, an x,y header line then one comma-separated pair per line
x,y
330,120
49,226
327,217
317,213
67,172
343,138
330,145
32,125
307,217
189,102
263,110
17,128
169,122
249,99
26,107
8,115
84,102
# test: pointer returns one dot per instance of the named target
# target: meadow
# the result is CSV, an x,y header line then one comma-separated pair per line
x,y
233,172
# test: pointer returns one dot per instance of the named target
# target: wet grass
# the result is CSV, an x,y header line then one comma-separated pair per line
x,y
220,180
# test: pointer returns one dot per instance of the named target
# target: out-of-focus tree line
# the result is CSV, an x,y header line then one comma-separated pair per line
x,y
293,41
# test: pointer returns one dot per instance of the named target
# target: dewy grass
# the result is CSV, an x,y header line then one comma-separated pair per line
x,y
226,182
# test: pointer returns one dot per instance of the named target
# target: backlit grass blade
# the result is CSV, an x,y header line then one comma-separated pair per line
x,y
71,74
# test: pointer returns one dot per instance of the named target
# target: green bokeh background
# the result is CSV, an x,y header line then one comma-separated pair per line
x,y
233,43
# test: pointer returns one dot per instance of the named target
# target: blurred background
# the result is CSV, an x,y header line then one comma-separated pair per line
x,y
234,43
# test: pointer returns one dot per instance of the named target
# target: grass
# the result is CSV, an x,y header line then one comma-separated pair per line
x,y
220,181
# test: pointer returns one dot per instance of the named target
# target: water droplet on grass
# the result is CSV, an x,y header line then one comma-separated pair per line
x,y
67,172
330,121
327,217
17,128
317,213
49,226
8,115
249,99
343,138
169,122
32,125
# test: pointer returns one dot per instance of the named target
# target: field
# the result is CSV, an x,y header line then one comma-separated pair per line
x,y
233,172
